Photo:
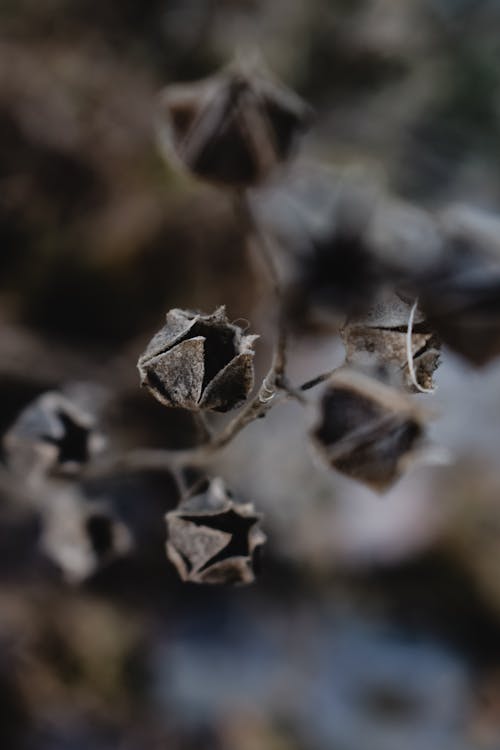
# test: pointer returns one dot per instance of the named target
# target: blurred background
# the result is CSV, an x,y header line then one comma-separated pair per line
x,y
375,622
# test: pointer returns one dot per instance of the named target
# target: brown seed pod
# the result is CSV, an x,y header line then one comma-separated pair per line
x,y
397,346
462,298
54,435
464,308
213,539
232,128
80,536
199,362
367,430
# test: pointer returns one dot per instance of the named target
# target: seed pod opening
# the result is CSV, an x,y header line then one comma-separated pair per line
x,y
367,430
214,539
52,435
199,362
232,128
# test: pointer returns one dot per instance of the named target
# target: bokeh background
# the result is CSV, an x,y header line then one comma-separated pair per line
x,y
375,623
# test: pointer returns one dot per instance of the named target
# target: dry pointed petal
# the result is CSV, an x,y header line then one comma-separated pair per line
x,y
176,376
367,430
231,386
190,551
237,570
178,324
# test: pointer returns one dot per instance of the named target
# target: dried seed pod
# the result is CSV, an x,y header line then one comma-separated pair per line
x,y
199,362
368,430
212,538
232,128
406,239
321,218
462,299
81,536
379,343
53,434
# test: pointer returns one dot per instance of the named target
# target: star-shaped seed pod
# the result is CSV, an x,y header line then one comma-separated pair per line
x,y
232,128
214,539
199,362
367,430
53,435
394,344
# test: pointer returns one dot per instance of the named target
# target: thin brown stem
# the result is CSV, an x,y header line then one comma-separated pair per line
x,y
316,381
148,459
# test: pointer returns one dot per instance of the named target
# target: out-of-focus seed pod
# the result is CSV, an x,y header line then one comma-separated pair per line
x,y
378,343
80,536
214,539
199,362
232,128
367,430
53,435
462,301
406,240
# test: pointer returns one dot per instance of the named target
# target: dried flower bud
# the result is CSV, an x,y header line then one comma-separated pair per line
x,y
199,362
81,536
53,434
367,430
212,538
232,128
378,343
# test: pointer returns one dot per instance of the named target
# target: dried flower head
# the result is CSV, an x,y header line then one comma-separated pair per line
x,y
53,434
334,271
379,343
199,362
212,538
368,430
232,128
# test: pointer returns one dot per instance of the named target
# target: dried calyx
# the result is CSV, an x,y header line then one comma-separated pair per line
x,y
232,128
367,430
199,362
394,344
214,539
